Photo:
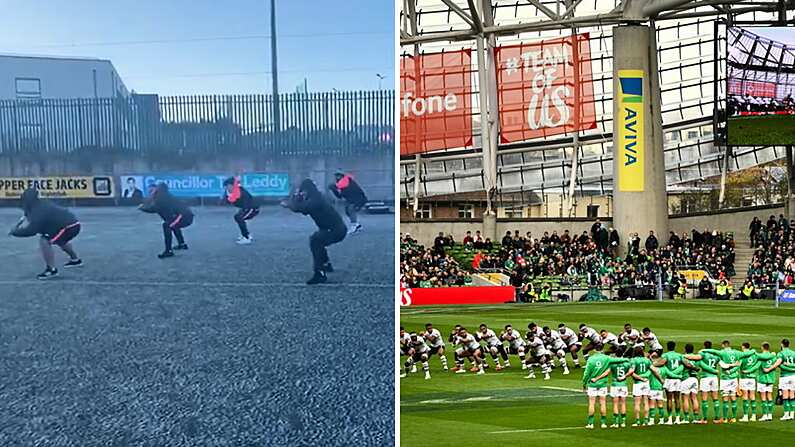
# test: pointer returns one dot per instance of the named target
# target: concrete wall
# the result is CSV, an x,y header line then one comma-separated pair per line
x,y
736,222
375,172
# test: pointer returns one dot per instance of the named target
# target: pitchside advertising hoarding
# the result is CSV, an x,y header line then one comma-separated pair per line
x,y
59,187
544,88
456,295
205,185
629,123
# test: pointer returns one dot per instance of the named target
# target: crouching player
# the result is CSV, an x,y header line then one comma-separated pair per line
x,y
468,348
590,334
573,343
420,353
557,346
493,345
516,345
433,338
538,355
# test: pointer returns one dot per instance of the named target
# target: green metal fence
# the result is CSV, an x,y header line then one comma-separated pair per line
x,y
311,123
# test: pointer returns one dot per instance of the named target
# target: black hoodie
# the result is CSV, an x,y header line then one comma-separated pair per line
x,y
308,200
347,188
165,205
43,216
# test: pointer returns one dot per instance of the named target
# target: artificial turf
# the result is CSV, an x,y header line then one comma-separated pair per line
x,y
503,408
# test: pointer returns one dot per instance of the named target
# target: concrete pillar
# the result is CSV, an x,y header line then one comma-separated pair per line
x,y
639,190
490,226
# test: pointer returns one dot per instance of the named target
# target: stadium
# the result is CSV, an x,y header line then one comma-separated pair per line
x,y
567,163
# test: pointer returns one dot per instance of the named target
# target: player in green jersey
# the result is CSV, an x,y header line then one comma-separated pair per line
x,y
729,370
765,381
675,369
708,381
785,360
689,389
656,399
620,369
594,382
641,374
749,369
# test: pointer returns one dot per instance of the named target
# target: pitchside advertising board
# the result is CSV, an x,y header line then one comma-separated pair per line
x,y
544,88
206,185
62,187
630,130
456,295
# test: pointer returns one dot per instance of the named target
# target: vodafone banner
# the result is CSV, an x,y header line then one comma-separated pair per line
x,y
536,84
456,295
752,88
435,102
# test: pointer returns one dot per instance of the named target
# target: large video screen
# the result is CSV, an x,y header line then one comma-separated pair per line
x,y
761,86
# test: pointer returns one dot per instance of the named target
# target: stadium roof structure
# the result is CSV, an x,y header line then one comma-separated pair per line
x,y
691,40
758,59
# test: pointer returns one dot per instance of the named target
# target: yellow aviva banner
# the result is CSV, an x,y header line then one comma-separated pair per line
x,y
78,187
630,150
693,275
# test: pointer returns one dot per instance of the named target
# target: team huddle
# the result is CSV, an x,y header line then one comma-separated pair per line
x,y
667,387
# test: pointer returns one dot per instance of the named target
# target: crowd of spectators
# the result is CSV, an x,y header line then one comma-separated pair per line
x,y
758,104
773,259
429,267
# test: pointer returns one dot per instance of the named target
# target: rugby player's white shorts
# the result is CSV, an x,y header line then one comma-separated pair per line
x,y
786,383
671,385
728,386
747,384
640,389
764,388
656,395
597,392
618,391
708,384
689,386
576,343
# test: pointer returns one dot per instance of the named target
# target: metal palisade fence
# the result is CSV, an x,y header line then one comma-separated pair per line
x,y
336,123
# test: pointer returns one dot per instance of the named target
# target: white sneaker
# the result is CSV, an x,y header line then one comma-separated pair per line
x,y
669,422
413,369
650,423
524,366
461,371
530,376
604,425
589,426
446,369
546,376
744,418
355,229
481,372
614,426
402,375
753,418
427,375
566,372
244,240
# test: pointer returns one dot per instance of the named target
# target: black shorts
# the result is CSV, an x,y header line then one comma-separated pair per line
x,y
435,349
248,213
64,235
513,350
417,357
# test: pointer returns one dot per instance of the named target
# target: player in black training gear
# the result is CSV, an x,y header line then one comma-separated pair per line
x,y
175,214
346,188
331,229
248,204
56,225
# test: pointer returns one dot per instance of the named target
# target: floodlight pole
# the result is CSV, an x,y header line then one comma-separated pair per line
x,y
277,120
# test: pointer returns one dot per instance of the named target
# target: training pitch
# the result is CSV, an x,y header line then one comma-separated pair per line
x,y
767,130
503,408
220,345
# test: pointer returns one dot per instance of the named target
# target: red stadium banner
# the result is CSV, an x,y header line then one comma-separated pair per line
x,y
536,83
741,87
456,295
435,102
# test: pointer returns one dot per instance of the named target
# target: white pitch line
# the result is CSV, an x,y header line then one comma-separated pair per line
x,y
531,430
562,389
189,283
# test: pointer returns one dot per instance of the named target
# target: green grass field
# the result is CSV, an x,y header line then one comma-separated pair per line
x,y
503,408
761,130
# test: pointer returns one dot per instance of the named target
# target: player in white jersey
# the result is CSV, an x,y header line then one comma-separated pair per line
x,y
493,345
468,347
590,334
536,329
538,354
572,342
420,353
516,344
405,347
453,339
653,344
556,346
433,338
629,340
610,342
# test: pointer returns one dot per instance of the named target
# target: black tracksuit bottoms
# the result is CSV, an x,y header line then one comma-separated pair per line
x,y
321,239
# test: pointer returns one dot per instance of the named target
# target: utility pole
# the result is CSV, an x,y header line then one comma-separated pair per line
x,y
277,119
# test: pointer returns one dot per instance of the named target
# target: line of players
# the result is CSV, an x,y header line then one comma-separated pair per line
x,y
540,347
